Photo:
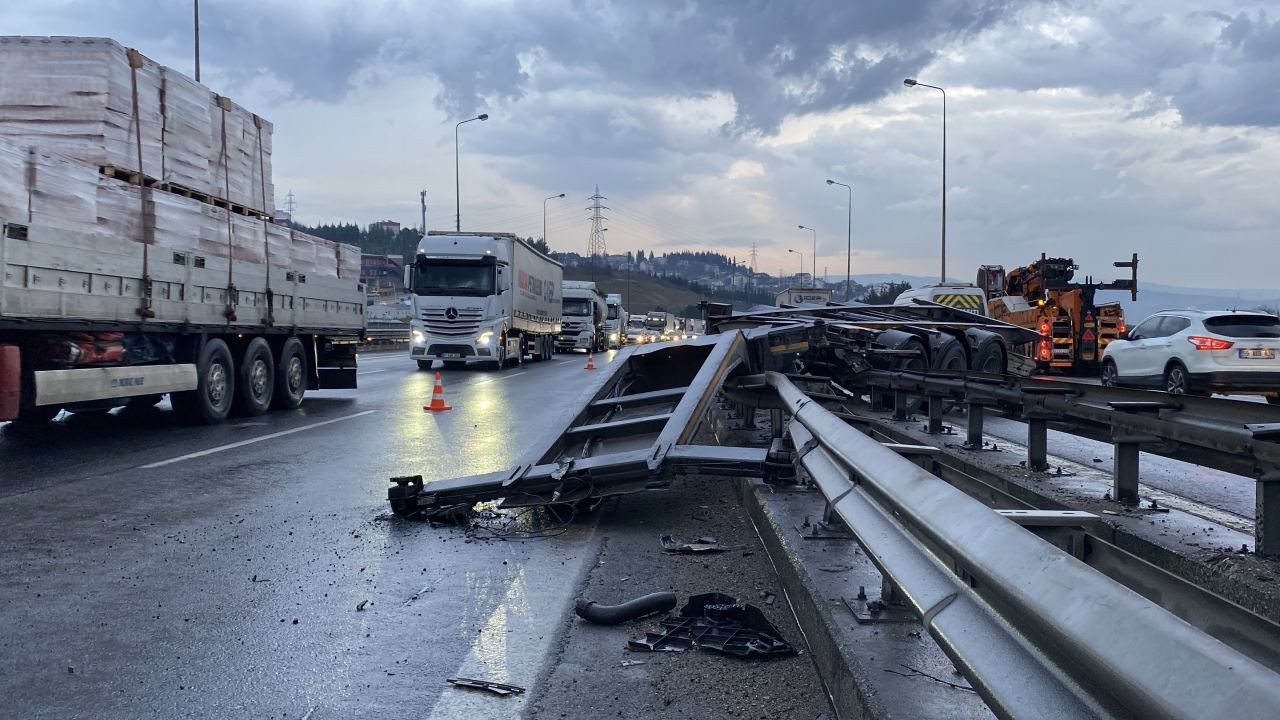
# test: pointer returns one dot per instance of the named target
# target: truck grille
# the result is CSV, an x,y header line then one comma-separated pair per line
x,y
467,322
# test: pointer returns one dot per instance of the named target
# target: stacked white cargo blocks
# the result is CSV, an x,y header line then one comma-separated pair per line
x,y
136,208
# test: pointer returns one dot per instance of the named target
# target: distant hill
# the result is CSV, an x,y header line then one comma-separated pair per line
x,y
646,292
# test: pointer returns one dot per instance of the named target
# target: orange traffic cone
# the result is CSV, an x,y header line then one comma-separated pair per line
x,y
437,398
591,361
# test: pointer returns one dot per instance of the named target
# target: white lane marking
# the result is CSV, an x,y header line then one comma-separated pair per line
x,y
370,372
504,377
242,443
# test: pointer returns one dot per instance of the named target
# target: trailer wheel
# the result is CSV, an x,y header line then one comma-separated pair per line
x,y
210,402
291,375
255,379
952,358
991,359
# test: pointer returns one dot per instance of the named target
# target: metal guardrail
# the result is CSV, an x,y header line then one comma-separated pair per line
x,y
1242,438
1037,632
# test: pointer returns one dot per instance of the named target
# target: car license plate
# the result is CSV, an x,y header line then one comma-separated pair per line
x,y
451,355
1257,353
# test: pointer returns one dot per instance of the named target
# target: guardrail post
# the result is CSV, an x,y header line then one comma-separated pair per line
x,y
977,410
1038,439
900,398
1266,519
1124,470
879,399
935,414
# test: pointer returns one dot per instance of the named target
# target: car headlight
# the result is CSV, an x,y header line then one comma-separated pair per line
x,y
485,337
417,335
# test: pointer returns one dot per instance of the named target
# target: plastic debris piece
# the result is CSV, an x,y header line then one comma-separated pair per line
x,y
670,543
489,686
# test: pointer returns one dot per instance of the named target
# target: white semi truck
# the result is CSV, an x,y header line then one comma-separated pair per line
x,y
482,298
584,316
614,321
661,325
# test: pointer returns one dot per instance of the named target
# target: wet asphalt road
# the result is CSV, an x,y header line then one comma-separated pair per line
x,y
157,570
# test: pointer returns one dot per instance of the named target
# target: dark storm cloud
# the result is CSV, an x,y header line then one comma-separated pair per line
x,y
775,58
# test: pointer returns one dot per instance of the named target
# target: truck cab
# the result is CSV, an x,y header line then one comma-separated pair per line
x,y
613,322
584,313
469,307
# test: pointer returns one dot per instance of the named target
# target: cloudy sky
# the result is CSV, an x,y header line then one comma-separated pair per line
x,y
1088,129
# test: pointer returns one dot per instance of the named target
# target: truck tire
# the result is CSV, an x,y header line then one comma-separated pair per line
x,y
291,375
988,352
255,379
950,356
210,402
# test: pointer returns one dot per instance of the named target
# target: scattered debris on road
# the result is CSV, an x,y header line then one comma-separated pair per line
x,y
488,686
651,604
714,621
671,543
360,607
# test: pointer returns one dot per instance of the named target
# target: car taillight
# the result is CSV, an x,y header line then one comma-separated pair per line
x,y
1207,343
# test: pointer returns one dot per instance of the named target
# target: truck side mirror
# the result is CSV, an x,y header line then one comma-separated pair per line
x,y
408,277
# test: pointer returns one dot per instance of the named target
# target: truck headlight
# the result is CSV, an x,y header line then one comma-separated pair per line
x,y
417,335
485,337
613,337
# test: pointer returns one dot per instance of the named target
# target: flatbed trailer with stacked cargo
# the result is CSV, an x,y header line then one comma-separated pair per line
x,y
139,254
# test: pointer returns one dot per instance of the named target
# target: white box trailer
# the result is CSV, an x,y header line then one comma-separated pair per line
x,y
90,321
482,298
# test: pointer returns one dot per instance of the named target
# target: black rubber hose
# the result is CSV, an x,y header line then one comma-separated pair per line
x,y
594,612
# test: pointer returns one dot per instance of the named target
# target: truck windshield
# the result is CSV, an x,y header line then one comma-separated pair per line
x,y
613,312
656,323
577,306
635,322
453,279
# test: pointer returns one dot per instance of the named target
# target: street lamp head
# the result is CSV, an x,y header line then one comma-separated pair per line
x,y
560,195
909,82
482,116
831,182
790,250
802,227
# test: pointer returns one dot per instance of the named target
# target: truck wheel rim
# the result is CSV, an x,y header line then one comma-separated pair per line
x,y
258,378
295,373
217,383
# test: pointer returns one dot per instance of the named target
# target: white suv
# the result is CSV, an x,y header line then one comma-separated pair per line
x,y
1199,352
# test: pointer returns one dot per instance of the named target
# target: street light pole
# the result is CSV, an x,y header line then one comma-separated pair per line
x,y
457,183
848,258
544,218
915,83
197,28
801,262
423,195
814,279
